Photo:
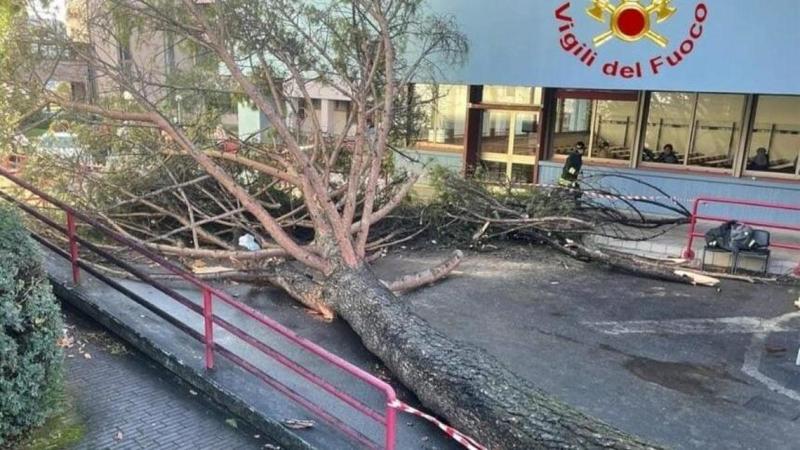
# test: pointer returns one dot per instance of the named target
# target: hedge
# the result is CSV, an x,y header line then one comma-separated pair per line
x,y
30,325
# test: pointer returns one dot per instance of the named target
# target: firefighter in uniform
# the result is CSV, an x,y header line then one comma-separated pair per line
x,y
572,168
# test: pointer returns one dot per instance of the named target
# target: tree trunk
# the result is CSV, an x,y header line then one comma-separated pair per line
x,y
622,262
464,384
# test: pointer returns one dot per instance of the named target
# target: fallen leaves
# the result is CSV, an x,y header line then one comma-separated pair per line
x,y
66,341
298,424
74,342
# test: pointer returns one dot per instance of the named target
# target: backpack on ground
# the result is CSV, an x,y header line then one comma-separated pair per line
x,y
719,237
741,237
732,236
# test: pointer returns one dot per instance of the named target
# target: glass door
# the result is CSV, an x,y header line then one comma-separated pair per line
x,y
509,145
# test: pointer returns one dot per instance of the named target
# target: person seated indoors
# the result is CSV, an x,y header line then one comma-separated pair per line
x,y
668,156
604,150
760,161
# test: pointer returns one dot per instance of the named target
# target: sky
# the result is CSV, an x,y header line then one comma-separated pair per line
x,y
56,9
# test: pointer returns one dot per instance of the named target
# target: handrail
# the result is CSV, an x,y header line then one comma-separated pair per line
x,y
689,252
388,420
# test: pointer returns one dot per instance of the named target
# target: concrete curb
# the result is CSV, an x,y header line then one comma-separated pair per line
x,y
199,379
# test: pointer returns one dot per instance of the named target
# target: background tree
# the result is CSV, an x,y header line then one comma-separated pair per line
x,y
309,197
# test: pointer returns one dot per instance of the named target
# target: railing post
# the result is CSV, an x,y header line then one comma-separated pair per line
x,y
73,247
208,316
391,425
689,252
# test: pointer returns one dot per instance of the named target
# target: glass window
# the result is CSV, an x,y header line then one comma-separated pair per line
x,y
443,112
505,172
614,130
718,128
341,105
522,173
494,171
526,133
509,143
495,135
573,117
775,142
694,129
510,95
510,132
669,127
606,127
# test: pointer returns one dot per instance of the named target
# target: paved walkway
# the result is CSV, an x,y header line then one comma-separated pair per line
x,y
681,366
255,395
128,403
686,367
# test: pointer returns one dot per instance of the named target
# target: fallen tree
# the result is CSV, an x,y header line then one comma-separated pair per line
x,y
562,219
338,185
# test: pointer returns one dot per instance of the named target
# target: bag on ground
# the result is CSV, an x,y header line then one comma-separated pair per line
x,y
732,236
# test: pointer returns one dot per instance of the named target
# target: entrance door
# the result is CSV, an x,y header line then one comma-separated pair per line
x,y
509,144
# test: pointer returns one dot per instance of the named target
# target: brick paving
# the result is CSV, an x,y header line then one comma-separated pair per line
x,y
127,402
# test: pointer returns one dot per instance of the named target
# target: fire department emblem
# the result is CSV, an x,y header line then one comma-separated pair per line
x,y
630,20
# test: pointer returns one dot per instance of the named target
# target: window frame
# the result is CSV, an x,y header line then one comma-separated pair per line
x,y
594,95
737,146
509,158
751,125
426,145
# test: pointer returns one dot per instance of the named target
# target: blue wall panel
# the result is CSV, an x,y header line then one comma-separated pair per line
x,y
746,46
687,187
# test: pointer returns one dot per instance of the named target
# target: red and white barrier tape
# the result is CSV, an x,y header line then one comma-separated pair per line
x,y
466,441
617,197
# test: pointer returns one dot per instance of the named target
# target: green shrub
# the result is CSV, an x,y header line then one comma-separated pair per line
x,y
30,325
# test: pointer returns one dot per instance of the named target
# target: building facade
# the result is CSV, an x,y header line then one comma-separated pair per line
x,y
147,57
716,81
331,108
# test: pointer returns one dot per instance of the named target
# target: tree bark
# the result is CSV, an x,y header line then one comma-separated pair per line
x,y
428,276
462,383
621,262
302,288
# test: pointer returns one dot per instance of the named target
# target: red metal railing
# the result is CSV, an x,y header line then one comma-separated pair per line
x,y
689,252
387,420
